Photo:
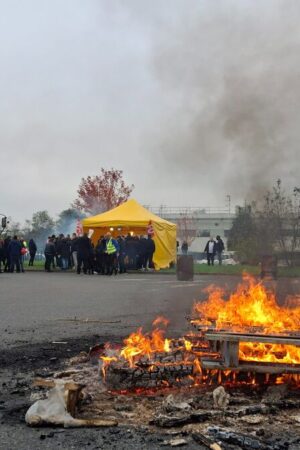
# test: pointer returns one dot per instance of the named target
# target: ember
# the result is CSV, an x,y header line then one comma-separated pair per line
x,y
237,339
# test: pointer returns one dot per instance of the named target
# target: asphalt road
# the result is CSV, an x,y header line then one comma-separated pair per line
x,y
39,306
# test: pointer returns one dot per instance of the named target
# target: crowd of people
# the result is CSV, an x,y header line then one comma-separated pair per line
x,y
79,253
13,251
109,255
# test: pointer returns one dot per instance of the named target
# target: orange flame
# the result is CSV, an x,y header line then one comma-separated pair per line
x,y
160,320
252,307
146,344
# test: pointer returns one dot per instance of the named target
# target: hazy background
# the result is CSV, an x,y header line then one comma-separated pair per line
x,y
193,99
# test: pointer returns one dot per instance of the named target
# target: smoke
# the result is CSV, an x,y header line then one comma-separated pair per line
x,y
229,72
192,99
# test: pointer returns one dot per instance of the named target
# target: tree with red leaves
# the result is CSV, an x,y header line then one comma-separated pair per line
x,y
102,192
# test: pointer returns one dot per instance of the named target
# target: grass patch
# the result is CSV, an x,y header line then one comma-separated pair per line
x,y
227,270
203,269
238,269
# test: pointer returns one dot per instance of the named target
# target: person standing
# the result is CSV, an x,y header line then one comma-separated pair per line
x,y
32,251
219,248
210,250
49,254
150,249
74,250
92,260
23,253
2,254
14,250
142,265
100,255
112,248
58,250
122,254
130,251
64,253
184,248
6,254
83,253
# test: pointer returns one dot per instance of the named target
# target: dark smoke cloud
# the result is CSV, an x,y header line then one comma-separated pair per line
x,y
231,72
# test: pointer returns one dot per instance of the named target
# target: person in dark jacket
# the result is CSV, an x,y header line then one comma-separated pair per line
x,y
32,251
74,250
100,255
150,249
83,253
210,250
130,249
49,254
122,254
63,253
14,250
219,248
137,251
58,246
184,248
6,254
92,261
142,257
2,254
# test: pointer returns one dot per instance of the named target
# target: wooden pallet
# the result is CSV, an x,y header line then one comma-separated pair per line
x,y
227,344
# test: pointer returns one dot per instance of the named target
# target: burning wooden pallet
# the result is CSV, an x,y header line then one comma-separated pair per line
x,y
209,351
227,344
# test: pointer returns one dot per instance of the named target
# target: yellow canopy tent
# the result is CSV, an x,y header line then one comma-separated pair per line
x,y
131,217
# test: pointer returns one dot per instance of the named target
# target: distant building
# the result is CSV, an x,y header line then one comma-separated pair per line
x,y
206,222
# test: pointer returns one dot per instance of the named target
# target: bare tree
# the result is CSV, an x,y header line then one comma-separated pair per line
x,y
186,227
281,213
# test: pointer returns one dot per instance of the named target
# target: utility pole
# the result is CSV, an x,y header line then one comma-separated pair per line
x,y
229,203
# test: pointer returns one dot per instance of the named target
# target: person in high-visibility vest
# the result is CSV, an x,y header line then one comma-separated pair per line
x,y
111,251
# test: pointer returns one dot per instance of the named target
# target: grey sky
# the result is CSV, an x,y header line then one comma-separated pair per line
x,y
192,99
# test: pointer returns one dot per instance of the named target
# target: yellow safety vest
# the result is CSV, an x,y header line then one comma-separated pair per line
x,y
110,248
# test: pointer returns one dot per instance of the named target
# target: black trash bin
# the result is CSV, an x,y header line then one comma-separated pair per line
x,y
268,266
185,268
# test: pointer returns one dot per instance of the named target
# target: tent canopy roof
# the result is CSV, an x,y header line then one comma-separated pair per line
x,y
128,213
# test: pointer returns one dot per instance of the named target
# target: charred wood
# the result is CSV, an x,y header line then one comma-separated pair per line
x,y
170,421
252,409
201,439
165,421
126,378
244,441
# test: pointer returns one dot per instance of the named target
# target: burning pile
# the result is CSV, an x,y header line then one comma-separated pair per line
x,y
236,337
149,360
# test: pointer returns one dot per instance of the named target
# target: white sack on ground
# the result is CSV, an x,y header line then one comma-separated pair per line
x,y
52,410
